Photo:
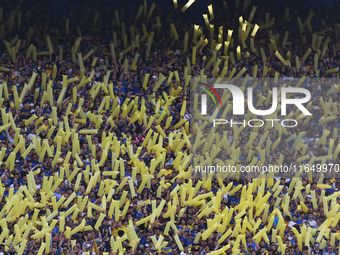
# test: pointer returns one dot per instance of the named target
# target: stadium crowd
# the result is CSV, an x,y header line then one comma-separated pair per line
x,y
165,56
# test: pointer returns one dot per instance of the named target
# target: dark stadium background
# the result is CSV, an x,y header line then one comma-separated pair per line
x,y
59,7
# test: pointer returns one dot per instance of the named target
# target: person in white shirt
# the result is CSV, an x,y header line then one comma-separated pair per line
x,y
185,251
97,71
88,250
16,71
32,134
311,222
292,222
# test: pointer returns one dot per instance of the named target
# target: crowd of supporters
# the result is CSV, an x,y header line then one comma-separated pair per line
x,y
165,56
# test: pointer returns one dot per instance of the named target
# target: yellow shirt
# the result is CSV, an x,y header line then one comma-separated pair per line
x,y
123,228
115,232
191,227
